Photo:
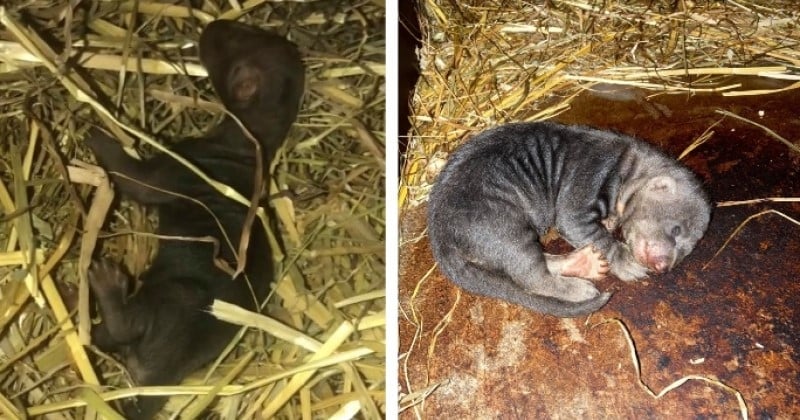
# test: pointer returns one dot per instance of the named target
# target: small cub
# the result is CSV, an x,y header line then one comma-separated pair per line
x,y
164,332
503,189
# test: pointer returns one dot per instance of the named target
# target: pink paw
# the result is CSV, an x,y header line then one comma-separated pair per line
x,y
586,263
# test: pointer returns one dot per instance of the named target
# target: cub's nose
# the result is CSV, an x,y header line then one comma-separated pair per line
x,y
658,256
657,265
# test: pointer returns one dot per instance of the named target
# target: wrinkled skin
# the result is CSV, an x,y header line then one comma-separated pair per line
x,y
503,189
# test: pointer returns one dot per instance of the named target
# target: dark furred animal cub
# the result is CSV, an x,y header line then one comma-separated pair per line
x,y
503,189
163,332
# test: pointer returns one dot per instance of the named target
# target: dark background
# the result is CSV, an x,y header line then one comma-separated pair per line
x,y
409,39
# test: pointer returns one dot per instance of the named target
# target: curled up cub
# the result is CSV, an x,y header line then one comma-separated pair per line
x,y
503,189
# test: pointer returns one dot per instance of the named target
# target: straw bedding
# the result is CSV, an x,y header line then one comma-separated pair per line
x,y
484,63
131,67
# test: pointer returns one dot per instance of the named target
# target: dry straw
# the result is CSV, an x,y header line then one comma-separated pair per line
x,y
483,63
131,67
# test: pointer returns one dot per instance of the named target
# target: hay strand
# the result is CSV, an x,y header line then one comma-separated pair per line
x,y
524,61
676,384
749,218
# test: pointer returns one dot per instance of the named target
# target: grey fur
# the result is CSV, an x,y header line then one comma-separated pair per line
x,y
503,189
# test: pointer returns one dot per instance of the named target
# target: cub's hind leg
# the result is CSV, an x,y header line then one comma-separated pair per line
x,y
513,249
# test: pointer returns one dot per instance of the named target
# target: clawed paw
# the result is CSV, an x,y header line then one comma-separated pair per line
x,y
105,278
585,263
597,266
579,290
626,268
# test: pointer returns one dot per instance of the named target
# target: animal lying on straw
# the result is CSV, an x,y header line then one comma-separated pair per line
x,y
503,189
164,332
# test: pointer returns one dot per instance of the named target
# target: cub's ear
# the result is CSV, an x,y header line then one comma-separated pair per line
x,y
663,184
626,194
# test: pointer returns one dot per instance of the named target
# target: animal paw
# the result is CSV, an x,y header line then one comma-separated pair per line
x,y
586,263
591,263
107,280
625,267
578,290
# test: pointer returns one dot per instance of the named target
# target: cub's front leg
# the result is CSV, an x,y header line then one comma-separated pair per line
x,y
623,264
593,232
122,322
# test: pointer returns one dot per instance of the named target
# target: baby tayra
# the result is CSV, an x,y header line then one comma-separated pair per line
x,y
503,189
164,332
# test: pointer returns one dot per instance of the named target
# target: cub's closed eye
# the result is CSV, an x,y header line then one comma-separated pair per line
x,y
676,231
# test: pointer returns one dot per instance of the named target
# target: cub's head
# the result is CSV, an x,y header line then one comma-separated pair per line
x,y
663,218
258,75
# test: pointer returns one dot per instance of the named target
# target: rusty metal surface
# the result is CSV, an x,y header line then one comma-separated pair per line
x,y
735,317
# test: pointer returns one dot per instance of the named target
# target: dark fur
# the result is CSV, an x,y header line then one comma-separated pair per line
x,y
163,332
503,189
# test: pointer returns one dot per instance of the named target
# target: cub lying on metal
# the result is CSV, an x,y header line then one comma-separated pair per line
x,y
503,189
